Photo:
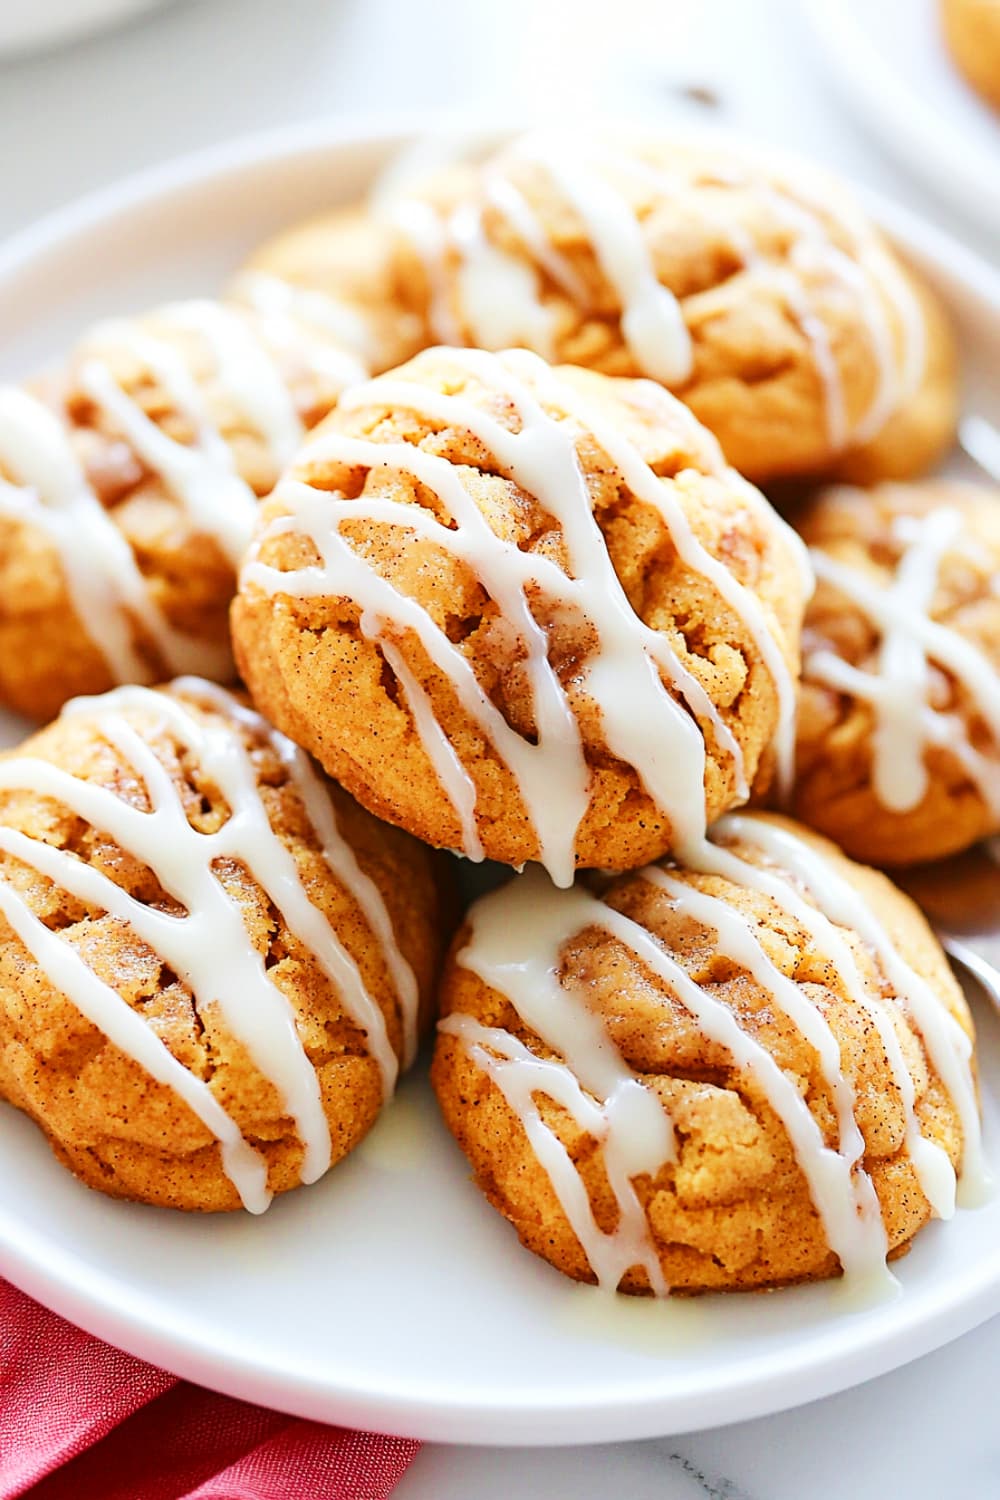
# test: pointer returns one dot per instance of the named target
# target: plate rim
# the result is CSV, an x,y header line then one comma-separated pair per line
x,y
94,1299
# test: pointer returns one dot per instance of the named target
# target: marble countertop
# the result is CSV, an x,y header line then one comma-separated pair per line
x,y
205,70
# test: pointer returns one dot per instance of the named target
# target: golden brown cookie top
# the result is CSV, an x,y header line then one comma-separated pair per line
x,y
752,286
899,727
666,1042
186,900
577,563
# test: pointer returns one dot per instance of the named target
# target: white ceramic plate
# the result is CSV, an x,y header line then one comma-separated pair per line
x,y
27,25
389,1295
891,63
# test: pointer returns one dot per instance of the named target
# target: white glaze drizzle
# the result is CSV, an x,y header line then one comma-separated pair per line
x,y
842,1192
282,302
126,1029
49,488
514,207
103,579
643,724
652,321
516,946
201,475
425,233
448,768
652,317
208,946
499,293
839,905
897,685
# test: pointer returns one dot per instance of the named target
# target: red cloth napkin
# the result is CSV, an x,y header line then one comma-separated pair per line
x,y
82,1421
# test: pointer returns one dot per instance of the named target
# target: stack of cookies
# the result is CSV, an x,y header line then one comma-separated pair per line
x,y
485,477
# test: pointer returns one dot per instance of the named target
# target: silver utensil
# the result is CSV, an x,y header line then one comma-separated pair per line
x,y
980,441
961,899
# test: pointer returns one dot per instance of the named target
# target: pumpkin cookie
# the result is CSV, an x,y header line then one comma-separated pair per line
x,y
524,612
749,1071
899,720
129,480
212,963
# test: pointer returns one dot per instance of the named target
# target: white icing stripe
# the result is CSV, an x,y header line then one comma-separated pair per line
x,y
652,322
651,490
281,301
208,947
944,731
981,441
201,475
933,1169
455,780
643,724
127,1030
842,1192
422,228
247,374
872,265
948,1045
516,946
900,776
498,292
104,582
520,1076
340,857
760,272
897,688
514,207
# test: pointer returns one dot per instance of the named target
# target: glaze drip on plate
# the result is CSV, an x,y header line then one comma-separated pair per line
x,y
516,945
208,945
828,254
897,685
47,485
655,713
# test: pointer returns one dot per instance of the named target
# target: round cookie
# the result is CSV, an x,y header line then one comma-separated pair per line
x,y
746,1073
754,288
898,754
525,613
128,485
972,33
212,962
